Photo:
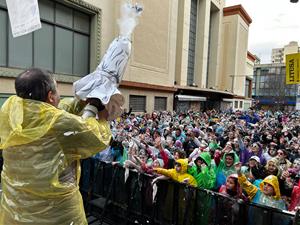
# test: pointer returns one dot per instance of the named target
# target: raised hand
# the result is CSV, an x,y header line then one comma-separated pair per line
x,y
238,167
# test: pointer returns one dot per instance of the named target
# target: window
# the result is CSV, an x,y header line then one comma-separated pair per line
x,y
61,45
236,104
192,42
241,104
160,103
248,90
272,70
137,103
264,71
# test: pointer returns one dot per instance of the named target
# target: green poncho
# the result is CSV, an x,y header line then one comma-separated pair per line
x,y
206,176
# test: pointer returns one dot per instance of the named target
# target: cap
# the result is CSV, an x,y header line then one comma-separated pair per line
x,y
256,158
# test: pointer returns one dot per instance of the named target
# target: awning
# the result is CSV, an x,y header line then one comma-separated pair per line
x,y
227,100
190,98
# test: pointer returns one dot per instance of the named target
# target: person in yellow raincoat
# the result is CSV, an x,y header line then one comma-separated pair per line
x,y
268,192
42,146
179,173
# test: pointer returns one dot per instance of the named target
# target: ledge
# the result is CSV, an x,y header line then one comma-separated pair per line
x,y
204,90
250,56
237,10
14,72
151,87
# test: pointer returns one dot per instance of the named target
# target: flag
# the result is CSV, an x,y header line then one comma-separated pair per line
x,y
24,16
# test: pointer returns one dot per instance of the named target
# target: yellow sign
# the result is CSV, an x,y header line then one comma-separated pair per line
x,y
292,63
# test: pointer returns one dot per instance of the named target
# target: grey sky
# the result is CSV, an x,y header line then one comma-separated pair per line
x,y
274,24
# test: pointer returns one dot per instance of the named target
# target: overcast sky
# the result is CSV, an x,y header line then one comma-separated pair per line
x,y
274,24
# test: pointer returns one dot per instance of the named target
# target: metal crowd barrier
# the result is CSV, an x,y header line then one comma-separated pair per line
x,y
108,197
1,164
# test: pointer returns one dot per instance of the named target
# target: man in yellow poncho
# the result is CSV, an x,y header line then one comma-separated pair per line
x,y
42,146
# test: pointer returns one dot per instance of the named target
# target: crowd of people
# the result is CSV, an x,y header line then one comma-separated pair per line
x,y
252,155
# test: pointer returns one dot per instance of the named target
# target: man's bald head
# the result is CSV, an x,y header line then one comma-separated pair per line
x,y
35,84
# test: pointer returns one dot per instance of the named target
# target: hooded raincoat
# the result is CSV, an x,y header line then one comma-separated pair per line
x,y
205,177
236,193
224,171
181,176
257,196
42,146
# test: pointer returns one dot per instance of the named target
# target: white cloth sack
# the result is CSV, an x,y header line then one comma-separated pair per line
x,y
103,82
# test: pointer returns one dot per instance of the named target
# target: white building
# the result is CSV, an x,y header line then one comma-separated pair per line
x,y
278,54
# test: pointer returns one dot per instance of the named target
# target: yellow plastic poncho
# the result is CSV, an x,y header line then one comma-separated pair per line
x,y
181,176
42,146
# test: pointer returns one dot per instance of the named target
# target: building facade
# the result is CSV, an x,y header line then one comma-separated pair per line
x,y
185,54
278,54
269,88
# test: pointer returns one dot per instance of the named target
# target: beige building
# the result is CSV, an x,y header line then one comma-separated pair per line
x,y
188,54
236,62
278,54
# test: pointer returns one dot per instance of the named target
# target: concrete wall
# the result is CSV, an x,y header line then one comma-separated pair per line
x,y
182,47
234,54
202,41
7,85
154,44
249,68
212,78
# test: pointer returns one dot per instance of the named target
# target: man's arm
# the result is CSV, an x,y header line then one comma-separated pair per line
x,y
81,138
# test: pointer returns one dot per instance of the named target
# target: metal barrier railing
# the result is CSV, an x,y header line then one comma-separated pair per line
x,y
132,201
1,164
175,203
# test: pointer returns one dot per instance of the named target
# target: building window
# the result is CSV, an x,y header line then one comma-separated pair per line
x,y
272,70
192,42
137,103
60,46
241,104
160,103
248,86
254,87
236,104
